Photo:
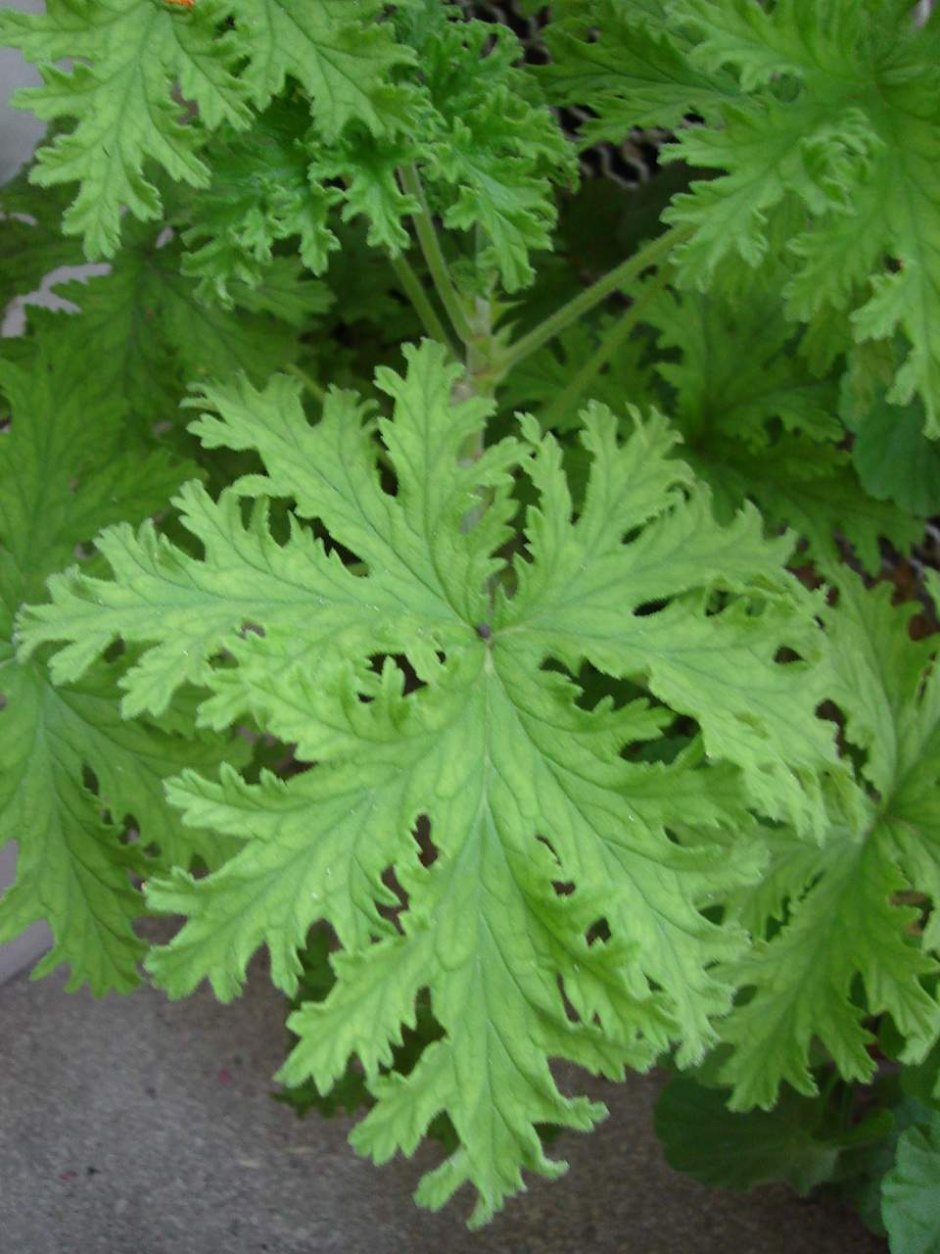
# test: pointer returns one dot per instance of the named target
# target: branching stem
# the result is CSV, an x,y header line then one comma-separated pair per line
x,y
585,301
615,335
434,255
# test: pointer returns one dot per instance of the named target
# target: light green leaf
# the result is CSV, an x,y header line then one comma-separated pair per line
x,y
339,53
416,687
127,56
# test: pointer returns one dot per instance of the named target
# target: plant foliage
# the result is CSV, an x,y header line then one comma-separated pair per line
x,y
467,583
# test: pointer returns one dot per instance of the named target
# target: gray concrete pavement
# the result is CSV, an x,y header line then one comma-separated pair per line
x,y
139,1126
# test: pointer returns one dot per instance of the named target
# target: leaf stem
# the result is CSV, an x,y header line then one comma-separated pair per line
x,y
314,388
611,340
420,300
555,323
434,255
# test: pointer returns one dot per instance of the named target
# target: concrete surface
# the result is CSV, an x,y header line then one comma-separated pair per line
x,y
25,948
139,1126
20,131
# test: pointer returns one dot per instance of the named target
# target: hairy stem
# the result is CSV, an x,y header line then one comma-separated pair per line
x,y
585,301
611,340
420,301
434,255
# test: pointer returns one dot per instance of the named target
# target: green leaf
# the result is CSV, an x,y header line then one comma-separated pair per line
x,y
73,774
815,490
837,115
261,193
370,170
150,333
629,70
351,1092
910,1194
716,1146
31,242
838,939
339,53
895,460
130,55
737,371
536,383
127,57
415,687
761,426
489,145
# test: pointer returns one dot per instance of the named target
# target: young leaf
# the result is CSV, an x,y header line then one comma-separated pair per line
x,y
261,193
487,147
492,149
414,684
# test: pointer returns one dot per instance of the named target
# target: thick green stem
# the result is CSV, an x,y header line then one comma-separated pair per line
x,y
611,340
585,301
314,388
420,301
434,255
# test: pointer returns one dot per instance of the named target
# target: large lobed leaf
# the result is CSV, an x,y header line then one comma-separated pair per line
x,y
422,677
